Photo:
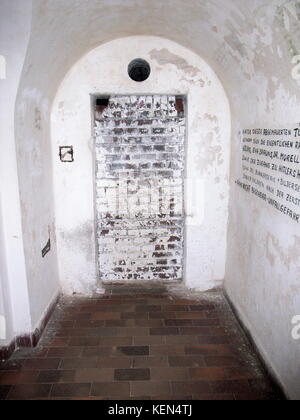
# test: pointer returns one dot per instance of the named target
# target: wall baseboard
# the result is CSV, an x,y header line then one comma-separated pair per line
x,y
31,339
266,367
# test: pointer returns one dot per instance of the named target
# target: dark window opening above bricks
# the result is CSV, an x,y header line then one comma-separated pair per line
x,y
101,103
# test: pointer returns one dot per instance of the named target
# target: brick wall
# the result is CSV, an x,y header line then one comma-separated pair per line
x,y
140,158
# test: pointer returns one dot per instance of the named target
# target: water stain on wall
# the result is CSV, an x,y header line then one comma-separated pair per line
x,y
81,238
287,256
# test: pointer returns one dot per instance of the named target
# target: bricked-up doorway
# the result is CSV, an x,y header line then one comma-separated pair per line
x,y
139,187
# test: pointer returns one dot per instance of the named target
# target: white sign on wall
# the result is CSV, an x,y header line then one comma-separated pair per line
x,y
270,168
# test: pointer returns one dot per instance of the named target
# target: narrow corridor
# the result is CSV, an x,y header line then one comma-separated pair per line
x,y
139,343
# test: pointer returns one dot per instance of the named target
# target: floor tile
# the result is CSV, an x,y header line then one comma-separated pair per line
x,y
132,374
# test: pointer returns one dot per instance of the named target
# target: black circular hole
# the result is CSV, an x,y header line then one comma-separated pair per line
x,y
139,70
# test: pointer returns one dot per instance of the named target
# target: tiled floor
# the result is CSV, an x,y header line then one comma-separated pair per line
x,y
139,343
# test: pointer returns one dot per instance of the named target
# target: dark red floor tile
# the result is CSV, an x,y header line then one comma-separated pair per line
x,y
78,363
199,308
208,339
104,316
164,331
190,315
115,362
133,351
119,323
206,322
208,374
65,352
209,350
182,340
84,341
89,324
134,315
230,386
195,331
116,341
178,322
149,323
15,378
92,375
147,308
111,390
71,390
26,392
148,340
99,351
170,374
151,388
132,374
191,388
174,308
166,350
222,361
56,376
41,364
77,316
150,361
186,361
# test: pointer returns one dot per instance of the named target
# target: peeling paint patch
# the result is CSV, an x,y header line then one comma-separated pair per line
x,y
164,57
209,153
212,118
37,119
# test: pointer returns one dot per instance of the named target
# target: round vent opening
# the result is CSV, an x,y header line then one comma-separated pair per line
x,y
139,70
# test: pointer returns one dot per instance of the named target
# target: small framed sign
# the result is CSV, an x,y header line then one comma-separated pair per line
x,y
66,154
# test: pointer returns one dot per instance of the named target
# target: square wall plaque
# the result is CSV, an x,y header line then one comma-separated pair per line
x,y
66,153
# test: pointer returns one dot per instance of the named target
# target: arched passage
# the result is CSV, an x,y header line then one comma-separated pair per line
x,y
174,71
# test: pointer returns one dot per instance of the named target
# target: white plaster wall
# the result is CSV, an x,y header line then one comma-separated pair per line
x,y
263,262
3,317
32,113
175,70
263,257
14,35
6,316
